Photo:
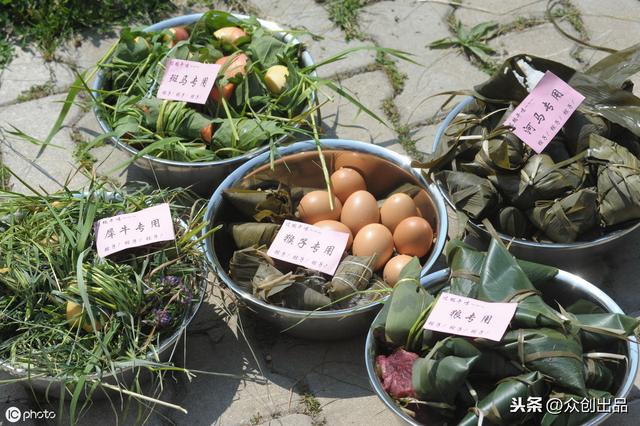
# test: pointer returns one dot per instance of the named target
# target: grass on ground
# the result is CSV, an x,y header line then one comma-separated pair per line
x,y
48,23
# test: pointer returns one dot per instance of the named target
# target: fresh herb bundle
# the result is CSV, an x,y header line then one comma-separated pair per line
x,y
572,354
581,187
70,316
262,93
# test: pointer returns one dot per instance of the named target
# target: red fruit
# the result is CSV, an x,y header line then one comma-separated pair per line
x,y
237,65
175,35
227,91
206,133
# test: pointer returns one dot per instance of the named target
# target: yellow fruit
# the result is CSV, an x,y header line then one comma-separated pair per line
x,y
276,78
74,318
229,34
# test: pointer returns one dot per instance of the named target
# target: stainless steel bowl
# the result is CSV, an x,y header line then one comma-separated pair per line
x,y
320,325
568,256
202,177
565,288
124,374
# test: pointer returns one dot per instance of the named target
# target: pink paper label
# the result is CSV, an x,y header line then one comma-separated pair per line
x,y
187,81
541,115
309,246
470,317
134,229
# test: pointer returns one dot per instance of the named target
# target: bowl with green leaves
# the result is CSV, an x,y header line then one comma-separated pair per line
x,y
78,326
568,348
265,93
574,200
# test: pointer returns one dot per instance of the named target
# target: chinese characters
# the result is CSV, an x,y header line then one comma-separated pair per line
x,y
134,229
542,114
470,317
187,81
309,246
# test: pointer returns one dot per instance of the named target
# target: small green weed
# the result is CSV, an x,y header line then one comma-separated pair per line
x,y
312,406
396,77
344,13
471,41
36,91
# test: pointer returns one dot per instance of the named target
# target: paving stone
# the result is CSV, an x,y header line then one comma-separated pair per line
x,y
425,137
342,119
473,12
291,420
86,50
610,27
549,44
345,404
309,15
418,24
630,418
56,165
110,161
29,69
14,395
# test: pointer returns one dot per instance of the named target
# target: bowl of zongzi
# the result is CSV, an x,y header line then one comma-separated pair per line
x,y
262,95
374,184
568,343
579,197
68,332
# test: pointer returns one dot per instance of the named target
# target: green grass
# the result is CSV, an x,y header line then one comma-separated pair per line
x,y
4,176
36,91
81,153
344,13
48,23
311,405
396,77
471,41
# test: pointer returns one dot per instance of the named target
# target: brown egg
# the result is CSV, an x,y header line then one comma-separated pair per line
x,y
334,225
426,208
413,236
360,209
394,266
395,209
374,239
345,182
381,175
315,207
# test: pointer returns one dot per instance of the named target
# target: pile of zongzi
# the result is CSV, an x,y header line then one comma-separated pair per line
x,y
584,184
574,353
383,235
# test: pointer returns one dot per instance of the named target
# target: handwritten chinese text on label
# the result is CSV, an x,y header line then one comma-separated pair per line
x,y
137,229
309,246
187,81
464,316
541,115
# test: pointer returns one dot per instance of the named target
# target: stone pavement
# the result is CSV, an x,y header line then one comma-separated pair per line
x,y
269,378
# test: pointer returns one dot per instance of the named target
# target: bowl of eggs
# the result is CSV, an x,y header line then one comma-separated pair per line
x,y
384,210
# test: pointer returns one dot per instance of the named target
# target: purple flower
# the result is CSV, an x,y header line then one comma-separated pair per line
x,y
172,280
163,317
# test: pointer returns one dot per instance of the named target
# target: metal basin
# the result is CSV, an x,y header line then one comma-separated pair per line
x,y
299,165
124,374
566,288
202,177
562,255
